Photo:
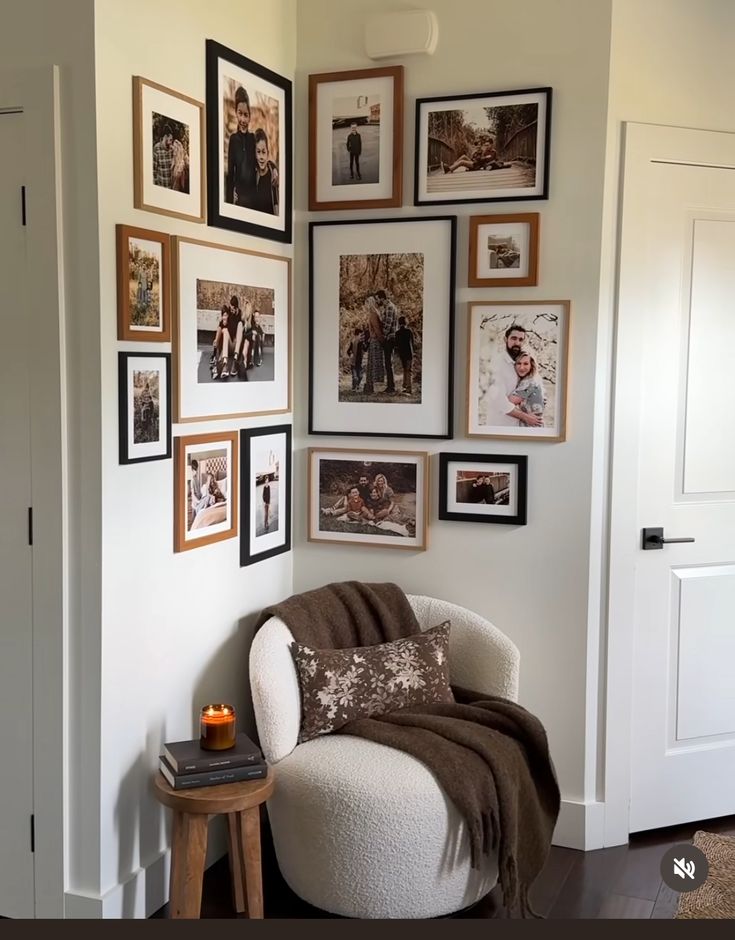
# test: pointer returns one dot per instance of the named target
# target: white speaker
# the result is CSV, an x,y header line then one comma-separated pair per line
x,y
406,33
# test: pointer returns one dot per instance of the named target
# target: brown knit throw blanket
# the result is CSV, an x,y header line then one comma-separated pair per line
x,y
489,755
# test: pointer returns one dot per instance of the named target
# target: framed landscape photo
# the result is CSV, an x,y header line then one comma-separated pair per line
x,y
356,139
143,285
488,147
168,148
144,399
382,327
265,493
232,332
503,250
249,146
517,369
483,488
363,497
205,489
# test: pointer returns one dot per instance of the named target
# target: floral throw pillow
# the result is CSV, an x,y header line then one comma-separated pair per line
x,y
338,686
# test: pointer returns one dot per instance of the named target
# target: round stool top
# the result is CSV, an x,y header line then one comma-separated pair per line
x,y
221,798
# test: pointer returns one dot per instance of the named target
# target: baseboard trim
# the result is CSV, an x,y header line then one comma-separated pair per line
x,y
141,895
580,825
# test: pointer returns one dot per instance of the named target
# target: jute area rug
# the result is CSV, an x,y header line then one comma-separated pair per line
x,y
716,897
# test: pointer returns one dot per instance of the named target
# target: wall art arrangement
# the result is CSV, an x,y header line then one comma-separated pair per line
x,y
483,488
144,406
503,250
205,489
143,285
265,493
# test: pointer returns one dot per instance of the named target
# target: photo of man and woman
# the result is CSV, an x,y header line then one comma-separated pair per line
x,y
251,149
482,487
170,153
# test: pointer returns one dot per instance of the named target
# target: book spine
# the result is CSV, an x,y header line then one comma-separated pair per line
x,y
212,778
217,763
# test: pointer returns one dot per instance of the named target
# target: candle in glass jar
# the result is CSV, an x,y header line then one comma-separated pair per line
x,y
217,727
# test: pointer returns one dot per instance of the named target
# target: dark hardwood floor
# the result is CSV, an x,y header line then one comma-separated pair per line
x,y
620,882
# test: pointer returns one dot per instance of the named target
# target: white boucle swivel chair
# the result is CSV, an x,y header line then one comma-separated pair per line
x,y
361,829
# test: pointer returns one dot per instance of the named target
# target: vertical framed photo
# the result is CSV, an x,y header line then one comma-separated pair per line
x,y
265,493
168,142
488,147
382,327
356,139
517,370
483,488
205,489
144,400
143,285
363,497
232,332
249,146
503,250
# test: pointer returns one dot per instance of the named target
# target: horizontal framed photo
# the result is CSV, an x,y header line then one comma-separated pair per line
x,y
168,142
517,372
249,146
356,139
232,331
491,147
143,285
144,399
205,489
503,250
483,488
382,327
364,497
265,493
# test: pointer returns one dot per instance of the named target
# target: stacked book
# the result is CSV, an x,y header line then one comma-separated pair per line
x,y
186,764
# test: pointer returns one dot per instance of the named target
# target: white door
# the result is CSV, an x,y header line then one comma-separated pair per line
x,y
677,309
16,636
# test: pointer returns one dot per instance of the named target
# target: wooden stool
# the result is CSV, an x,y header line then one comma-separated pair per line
x,y
240,802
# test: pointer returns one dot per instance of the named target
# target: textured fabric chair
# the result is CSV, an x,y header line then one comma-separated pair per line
x,y
361,829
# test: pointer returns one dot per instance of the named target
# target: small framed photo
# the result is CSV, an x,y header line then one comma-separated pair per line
x,y
356,139
143,285
249,146
382,327
491,147
517,372
144,400
363,497
232,332
503,250
265,493
205,489
483,488
168,142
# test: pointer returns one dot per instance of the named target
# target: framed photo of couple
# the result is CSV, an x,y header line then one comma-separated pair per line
x,y
265,493
483,488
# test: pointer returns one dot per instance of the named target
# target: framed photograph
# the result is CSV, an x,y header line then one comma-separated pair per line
x,y
232,332
503,250
265,488
491,147
382,327
356,139
143,285
517,372
168,147
483,488
144,399
205,489
364,497
249,146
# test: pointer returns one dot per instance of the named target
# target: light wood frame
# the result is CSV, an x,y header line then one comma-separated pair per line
x,y
124,331
531,279
180,445
396,72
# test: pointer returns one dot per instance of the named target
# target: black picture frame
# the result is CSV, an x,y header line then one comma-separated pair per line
x,y
248,555
315,425
125,456
215,52
507,194
517,460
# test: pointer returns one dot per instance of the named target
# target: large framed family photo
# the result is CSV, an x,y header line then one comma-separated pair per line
x,y
265,493
518,368
382,327
356,139
144,406
143,285
483,488
249,146
483,147
363,497
205,489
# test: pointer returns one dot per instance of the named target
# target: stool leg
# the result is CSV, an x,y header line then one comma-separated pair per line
x,y
188,849
237,873
250,846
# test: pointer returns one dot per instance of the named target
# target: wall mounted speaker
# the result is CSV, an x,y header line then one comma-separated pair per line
x,y
395,34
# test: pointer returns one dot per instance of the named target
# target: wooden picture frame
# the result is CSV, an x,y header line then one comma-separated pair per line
x,y
510,256
483,488
261,537
370,99
215,454
173,186
144,406
149,263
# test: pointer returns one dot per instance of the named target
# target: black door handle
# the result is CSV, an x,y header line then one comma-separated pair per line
x,y
653,538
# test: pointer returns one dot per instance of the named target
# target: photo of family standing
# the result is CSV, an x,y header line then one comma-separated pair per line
x,y
367,498
251,149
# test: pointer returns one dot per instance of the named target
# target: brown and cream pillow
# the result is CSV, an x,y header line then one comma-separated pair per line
x,y
338,686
